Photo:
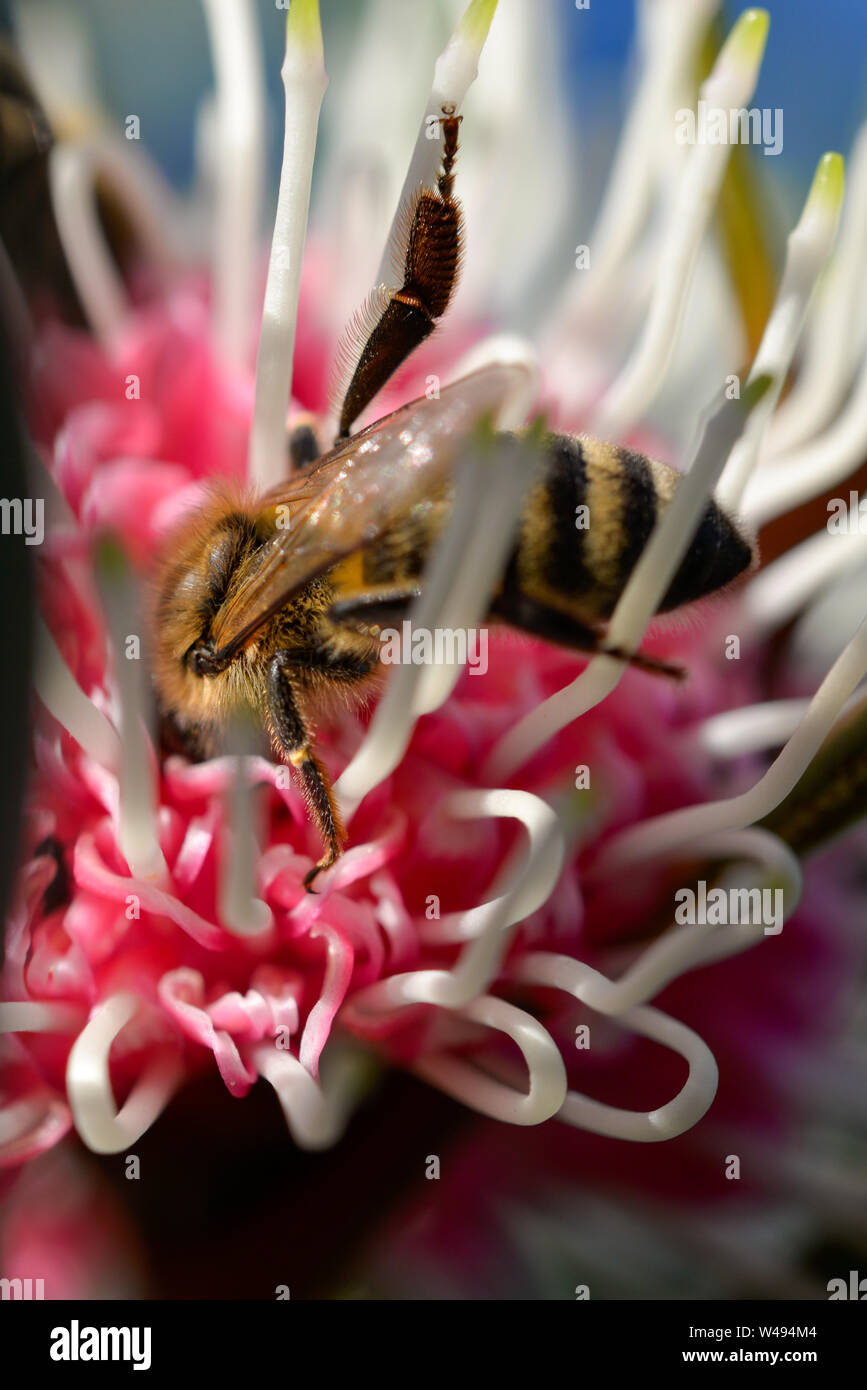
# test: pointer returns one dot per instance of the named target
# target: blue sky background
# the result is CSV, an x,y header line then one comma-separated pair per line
x,y
153,60
815,68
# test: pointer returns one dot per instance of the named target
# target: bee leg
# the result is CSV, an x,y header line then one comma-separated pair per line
x,y
350,668
291,737
379,607
552,625
653,664
304,447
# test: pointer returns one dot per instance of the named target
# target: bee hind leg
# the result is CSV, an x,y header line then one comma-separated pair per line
x,y
653,664
293,741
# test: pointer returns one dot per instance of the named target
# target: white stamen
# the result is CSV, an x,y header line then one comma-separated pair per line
x,y
33,1017
831,336
494,486
663,834
729,87
506,131
97,280
467,1083
64,698
460,573
359,198
102,1127
240,119
239,909
641,597
316,1112
59,59
808,249
827,624
304,81
72,172
58,513
753,728
520,890
667,1121
506,349
137,812
31,1126
522,885
455,70
669,33
148,200
684,948
814,468
382,66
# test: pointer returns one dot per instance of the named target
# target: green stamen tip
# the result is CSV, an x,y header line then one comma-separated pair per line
x,y
829,181
111,561
746,42
476,20
756,391
537,430
303,25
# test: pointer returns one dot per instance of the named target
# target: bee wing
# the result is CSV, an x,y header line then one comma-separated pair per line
x,y
351,496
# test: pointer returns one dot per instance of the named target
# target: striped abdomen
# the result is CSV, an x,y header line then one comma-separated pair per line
x,y
587,521
583,527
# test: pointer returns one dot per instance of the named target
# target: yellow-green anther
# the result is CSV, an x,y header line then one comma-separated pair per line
x,y
304,27
745,44
828,182
476,21
810,244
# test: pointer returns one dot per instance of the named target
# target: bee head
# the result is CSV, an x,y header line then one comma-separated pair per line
x,y
191,581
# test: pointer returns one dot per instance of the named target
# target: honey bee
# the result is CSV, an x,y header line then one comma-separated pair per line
x,y
277,603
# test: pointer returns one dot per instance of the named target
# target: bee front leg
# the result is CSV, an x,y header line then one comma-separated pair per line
x,y
293,741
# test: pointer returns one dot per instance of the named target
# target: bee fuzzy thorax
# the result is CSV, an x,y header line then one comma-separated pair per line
x,y
191,579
